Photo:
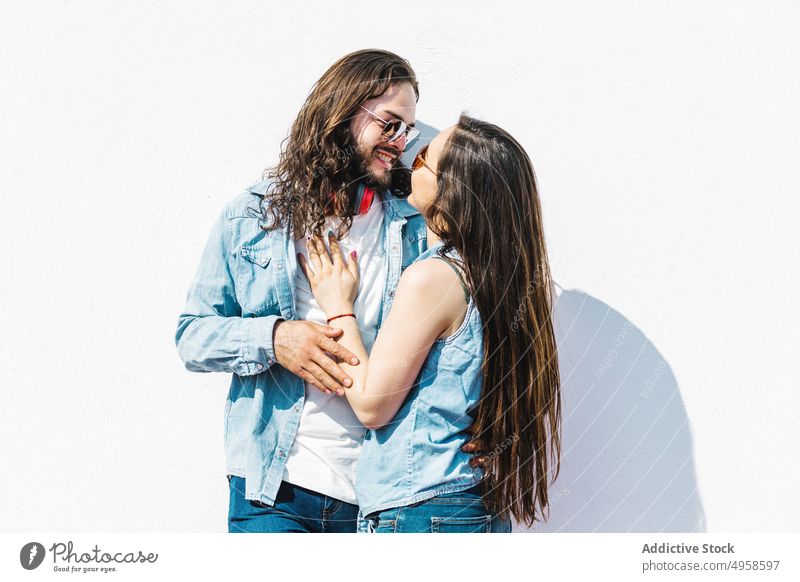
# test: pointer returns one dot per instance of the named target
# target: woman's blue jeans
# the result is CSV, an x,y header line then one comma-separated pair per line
x,y
461,512
296,509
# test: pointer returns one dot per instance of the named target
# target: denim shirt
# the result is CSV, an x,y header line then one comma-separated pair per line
x,y
243,286
418,455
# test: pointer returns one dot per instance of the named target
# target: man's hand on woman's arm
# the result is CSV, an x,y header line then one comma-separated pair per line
x,y
303,348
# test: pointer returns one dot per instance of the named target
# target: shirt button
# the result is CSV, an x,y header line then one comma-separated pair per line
x,y
296,408
395,248
281,454
391,293
259,367
279,266
270,361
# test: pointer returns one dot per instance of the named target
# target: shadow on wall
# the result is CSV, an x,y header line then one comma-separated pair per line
x,y
627,461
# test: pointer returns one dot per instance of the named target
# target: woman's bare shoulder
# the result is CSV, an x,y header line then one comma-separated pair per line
x,y
432,286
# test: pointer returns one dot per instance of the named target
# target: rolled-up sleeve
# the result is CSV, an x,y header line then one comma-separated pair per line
x,y
212,335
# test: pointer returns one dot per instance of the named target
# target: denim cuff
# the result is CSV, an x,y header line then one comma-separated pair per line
x,y
257,350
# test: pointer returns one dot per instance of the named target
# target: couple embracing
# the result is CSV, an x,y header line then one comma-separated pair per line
x,y
388,329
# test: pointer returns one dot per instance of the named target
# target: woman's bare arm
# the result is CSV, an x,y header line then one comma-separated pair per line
x,y
428,303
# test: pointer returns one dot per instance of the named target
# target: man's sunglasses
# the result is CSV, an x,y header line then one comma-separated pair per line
x,y
394,129
419,159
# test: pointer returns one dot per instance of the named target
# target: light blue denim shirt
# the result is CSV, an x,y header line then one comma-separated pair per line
x,y
243,286
418,455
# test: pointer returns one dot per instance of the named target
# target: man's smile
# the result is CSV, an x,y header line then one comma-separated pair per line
x,y
386,156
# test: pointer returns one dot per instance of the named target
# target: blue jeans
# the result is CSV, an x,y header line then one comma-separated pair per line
x,y
296,510
460,512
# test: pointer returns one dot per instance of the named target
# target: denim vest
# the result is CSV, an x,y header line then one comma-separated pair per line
x,y
243,286
418,455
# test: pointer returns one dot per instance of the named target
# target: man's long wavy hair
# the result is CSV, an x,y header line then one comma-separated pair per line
x,y
487,208
316,174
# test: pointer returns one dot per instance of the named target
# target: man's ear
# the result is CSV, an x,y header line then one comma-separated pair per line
x,y
342,135
344,132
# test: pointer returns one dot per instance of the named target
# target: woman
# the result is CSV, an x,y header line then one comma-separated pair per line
x,y
467,348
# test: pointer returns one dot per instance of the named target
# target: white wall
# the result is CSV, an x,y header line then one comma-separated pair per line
x,y
665,138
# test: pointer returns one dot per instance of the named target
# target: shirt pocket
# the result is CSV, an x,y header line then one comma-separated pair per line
x,y
255,280
415,242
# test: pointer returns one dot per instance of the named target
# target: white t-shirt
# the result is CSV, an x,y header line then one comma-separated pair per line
x,y
325,452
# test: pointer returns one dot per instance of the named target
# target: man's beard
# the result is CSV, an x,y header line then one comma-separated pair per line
x,y
361,164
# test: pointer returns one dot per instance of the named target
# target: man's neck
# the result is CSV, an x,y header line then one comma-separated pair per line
x,y
360,198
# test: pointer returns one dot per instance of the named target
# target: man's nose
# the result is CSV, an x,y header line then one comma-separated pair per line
x,y
400,143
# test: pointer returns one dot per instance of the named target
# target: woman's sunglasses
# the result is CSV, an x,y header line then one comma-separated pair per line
x,y
394,129
419,159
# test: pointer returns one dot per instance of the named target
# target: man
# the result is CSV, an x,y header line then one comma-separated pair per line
x,y
291,440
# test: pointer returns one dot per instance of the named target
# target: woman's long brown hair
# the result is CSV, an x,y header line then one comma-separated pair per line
x,y
316,158
487,208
